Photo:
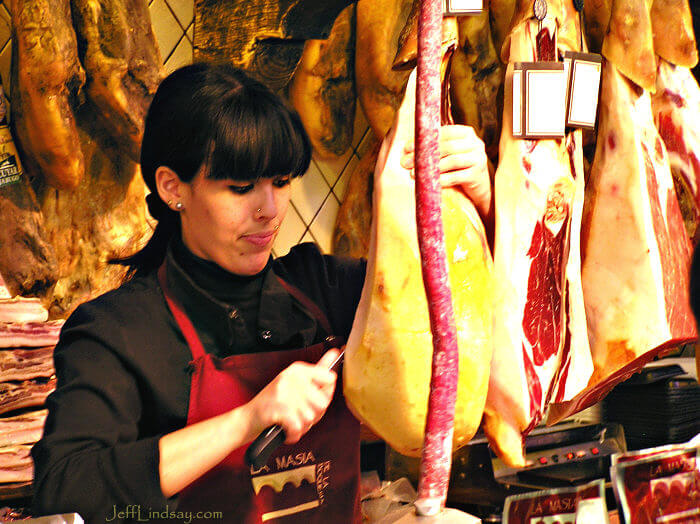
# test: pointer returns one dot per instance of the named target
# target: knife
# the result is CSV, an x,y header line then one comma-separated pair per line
x,y
271,438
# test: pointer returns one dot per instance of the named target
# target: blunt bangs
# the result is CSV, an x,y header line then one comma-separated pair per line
x,y
255,136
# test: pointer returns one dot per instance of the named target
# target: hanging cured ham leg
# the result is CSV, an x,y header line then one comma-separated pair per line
x,y
475,77
635,272
323,87
380,24
46,79
676,102
636,252
540,327
121,57
500,14
676,107
355,214
388,356
672,26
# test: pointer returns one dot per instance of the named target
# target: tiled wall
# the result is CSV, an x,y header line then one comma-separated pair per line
x,y
316,196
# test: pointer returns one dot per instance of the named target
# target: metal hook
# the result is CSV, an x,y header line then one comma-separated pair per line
x,y
540,11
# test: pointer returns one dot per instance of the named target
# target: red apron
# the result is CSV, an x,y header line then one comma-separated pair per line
x,y
315,480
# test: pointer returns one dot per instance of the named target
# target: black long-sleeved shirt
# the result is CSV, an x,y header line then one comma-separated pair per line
x,y
123,374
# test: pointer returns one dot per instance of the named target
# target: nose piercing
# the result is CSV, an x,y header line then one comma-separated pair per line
x,y
178,206
259,209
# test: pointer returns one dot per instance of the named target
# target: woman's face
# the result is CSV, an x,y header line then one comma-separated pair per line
x,y
234,223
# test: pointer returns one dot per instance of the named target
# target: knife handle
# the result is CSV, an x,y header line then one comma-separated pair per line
x,y
262,447
271,438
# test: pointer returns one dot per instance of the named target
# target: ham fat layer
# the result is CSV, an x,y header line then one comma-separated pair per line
x,y
386,375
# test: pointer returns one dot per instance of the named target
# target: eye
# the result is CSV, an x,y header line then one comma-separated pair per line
x,y
241,189
282,181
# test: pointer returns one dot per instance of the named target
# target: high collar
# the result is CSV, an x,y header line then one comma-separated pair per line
x,y
283,323
213,279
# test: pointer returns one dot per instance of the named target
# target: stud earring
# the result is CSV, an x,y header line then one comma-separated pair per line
x,y
178,206
170,202
277,227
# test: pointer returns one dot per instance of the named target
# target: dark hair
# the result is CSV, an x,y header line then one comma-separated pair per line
x,y
217,116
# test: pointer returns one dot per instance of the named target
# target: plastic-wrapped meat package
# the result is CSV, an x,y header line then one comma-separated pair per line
x,y
558,505
658,486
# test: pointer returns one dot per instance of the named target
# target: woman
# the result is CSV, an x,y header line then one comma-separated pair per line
x,y
164,381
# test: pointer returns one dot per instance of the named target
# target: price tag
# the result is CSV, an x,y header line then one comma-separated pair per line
x,y
462,7
583,85
542,102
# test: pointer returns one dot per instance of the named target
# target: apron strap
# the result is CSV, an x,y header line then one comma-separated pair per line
x,y
308,304
181,318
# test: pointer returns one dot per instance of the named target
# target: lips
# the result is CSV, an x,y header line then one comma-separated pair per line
x,y
260,239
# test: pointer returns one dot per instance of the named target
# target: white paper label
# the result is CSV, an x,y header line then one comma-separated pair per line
x,y
456,7
517,106
561,518
591,511
545,108
583,100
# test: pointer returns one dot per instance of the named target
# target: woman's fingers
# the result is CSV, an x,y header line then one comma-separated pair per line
x,y
307,413
463,162
299,396
461,167
458,131
454,140
328,358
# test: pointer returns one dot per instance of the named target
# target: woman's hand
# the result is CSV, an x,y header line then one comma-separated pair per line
x,y
463,162
297,398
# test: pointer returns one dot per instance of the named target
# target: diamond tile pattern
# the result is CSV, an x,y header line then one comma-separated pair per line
x,y
342,182
316,196
309,192
166,27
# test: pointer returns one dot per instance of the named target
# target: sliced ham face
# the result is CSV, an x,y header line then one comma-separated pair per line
x,y
540,341
29,334
575,365
636,253
676,107
24,364
388,356
26,428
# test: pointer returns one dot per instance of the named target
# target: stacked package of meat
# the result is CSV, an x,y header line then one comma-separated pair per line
x,y
27,340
